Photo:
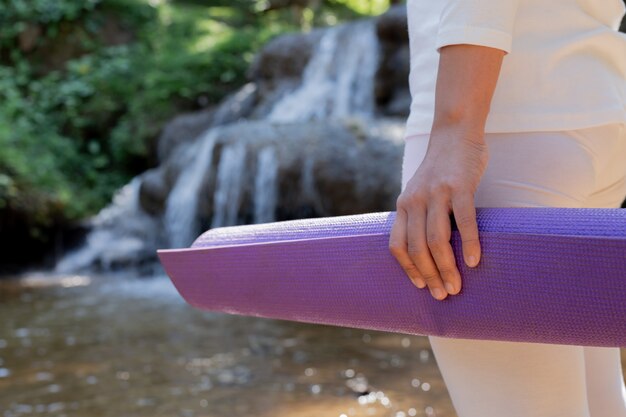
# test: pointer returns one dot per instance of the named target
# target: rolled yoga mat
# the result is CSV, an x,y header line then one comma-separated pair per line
x,y
547,275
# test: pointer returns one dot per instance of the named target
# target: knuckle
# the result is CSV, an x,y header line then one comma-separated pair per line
x,y
470,241
395,247
465,221
435,243
406,200
415,199
416,251
431,278
440,187
447,270
458,186
411,270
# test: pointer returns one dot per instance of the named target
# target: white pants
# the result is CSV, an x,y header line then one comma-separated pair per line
x,y
575,168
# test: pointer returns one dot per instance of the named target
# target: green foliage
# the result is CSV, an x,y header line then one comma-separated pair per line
x,y
371,7
16,14
71,134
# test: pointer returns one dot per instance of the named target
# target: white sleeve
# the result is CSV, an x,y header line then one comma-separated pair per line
x,y
478,22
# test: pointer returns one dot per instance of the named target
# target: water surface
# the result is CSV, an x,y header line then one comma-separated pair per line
x,y
90,346
122,346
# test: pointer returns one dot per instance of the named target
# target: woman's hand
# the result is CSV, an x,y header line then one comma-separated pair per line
x,y
447,178
444,183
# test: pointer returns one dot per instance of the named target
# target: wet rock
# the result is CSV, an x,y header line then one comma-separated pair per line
x,y
357,171
392,26
122,235
237,106
391,84
284,56
183,128
153,191
269,93
278,68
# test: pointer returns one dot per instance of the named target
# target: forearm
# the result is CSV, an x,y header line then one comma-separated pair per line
x,y
472,39
466,81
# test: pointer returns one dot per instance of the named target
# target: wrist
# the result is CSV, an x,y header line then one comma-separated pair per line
x,y
471,116
455,126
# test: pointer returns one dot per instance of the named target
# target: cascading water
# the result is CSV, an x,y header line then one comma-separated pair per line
x,y
338,81
265,186
181,221
355,92
307,182
122,233
230,175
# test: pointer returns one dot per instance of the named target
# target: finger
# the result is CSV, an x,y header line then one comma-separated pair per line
x,y
465,217
398,248
420,253
438,232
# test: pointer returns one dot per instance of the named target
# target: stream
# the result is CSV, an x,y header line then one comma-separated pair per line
x,y
99,346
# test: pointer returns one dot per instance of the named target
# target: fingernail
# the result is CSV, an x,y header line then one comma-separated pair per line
x,y
420,283
472,261
438,293
449,287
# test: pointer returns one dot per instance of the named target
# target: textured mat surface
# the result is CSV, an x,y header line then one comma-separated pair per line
x,y
549,275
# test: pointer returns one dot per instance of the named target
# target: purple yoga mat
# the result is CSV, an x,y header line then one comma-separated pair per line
x,y
547,275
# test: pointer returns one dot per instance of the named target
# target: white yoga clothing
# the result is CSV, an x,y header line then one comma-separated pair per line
x,y
573,168
565,66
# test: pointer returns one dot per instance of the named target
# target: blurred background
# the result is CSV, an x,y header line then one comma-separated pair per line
x,y
132,125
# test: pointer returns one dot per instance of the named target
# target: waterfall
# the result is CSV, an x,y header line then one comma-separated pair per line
x,y
121,233
266,186
181,223
338,80
228,189
310,100
356,67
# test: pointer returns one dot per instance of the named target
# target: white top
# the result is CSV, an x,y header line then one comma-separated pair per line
x,y
565,66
